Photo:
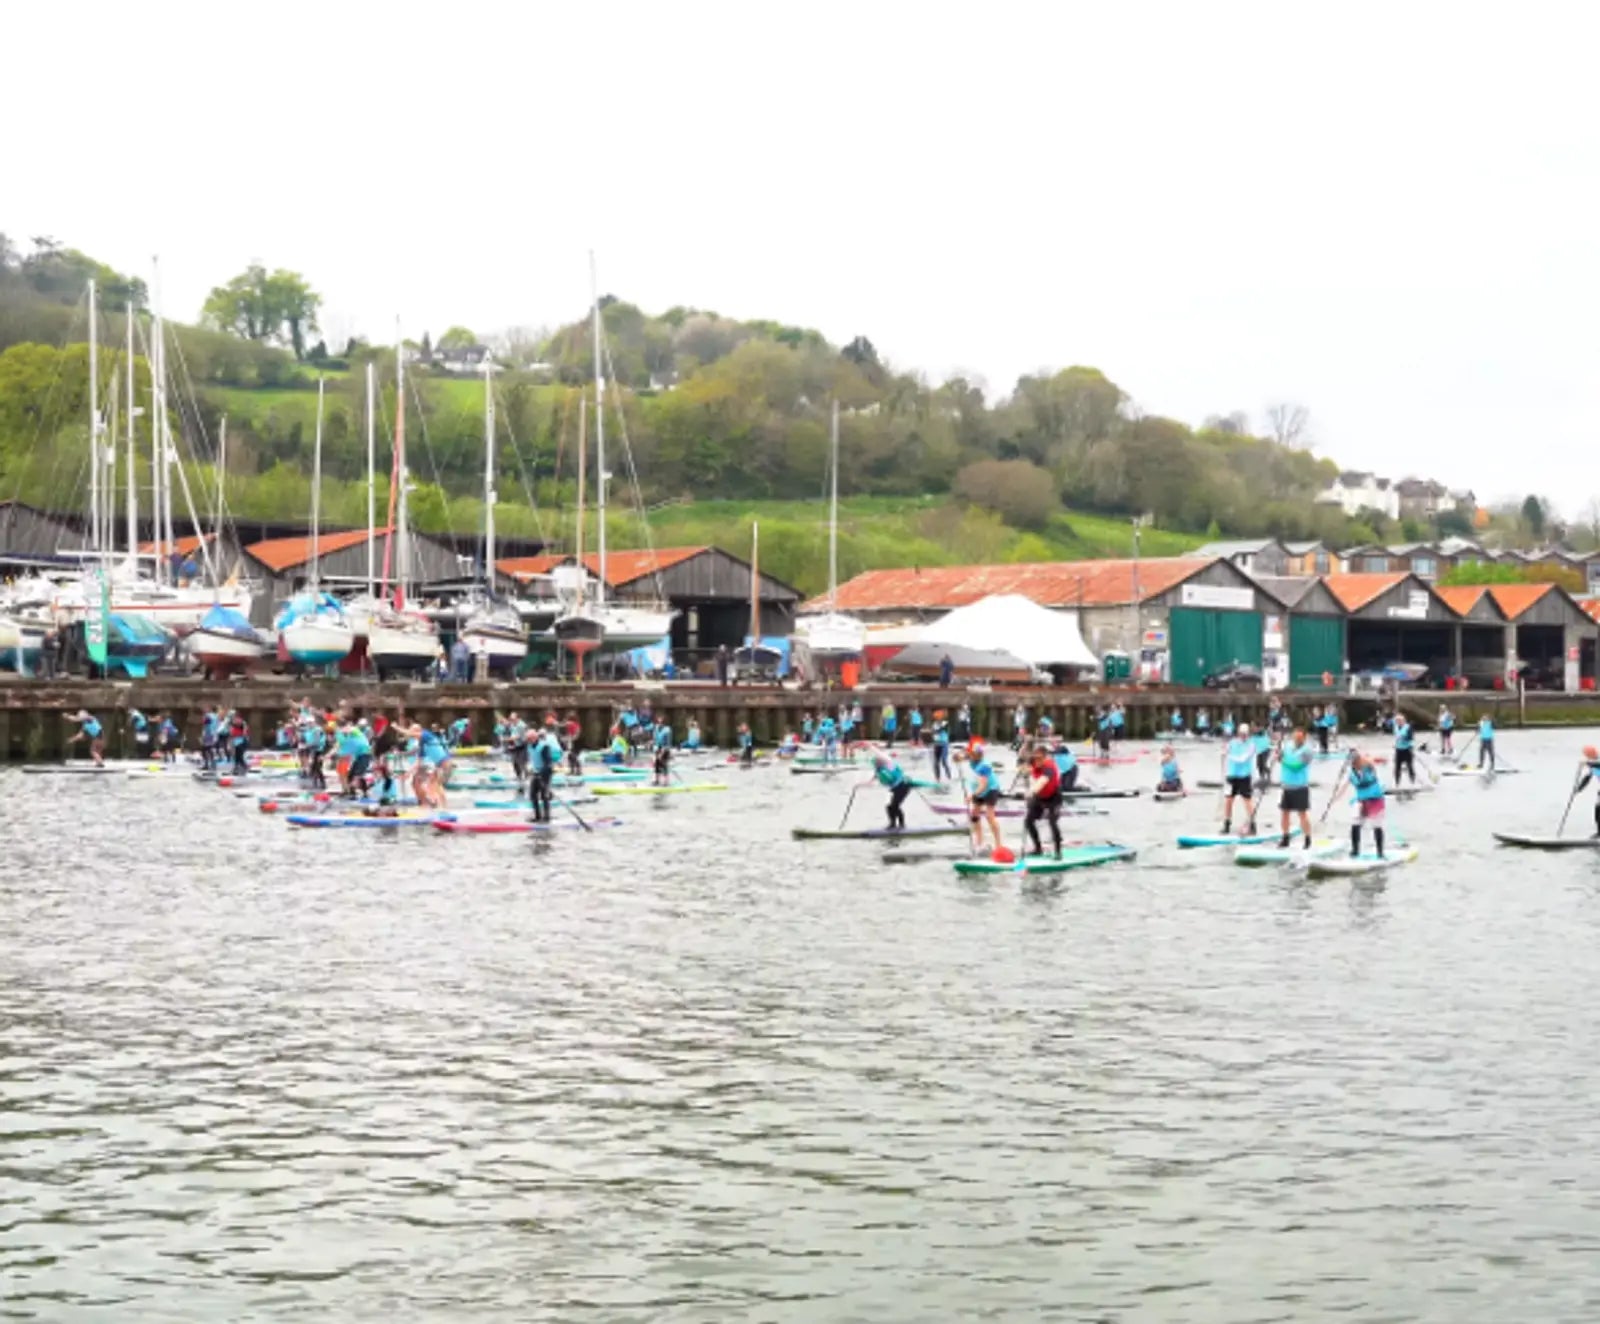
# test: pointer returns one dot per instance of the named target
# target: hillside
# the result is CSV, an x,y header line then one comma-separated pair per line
x,y
721,414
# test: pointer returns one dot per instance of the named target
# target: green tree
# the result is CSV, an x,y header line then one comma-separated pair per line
x,y
1533,515
278,307
456,339
1021,493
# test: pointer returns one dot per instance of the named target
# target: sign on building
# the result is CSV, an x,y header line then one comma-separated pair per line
x,y
1222,599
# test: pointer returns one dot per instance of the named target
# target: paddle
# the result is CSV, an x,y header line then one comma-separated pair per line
x,y
571,811
849,806
1462,756
1427,767
1577,785
1266,782
1344,768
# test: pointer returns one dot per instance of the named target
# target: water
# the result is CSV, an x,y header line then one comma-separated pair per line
x,y
690,1070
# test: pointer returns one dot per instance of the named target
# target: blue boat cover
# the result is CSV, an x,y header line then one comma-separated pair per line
x,y
230,619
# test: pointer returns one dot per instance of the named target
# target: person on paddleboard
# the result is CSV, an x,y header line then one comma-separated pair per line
x,y
1591,771
888,724
1202,724
1044,800
983,794
828,738
1119,722
169,740
1486,742
210,725
1177,722
239,743
1447,730
1102,733
941,747
545,757
355,759
141,733
385,751
1405,754
1294,775
1368,804
691,737
1238,770
572,738
887,773
1320,727
661,769
1171,782
1066,765
89,729
1262,741
747,746
314,741
458,732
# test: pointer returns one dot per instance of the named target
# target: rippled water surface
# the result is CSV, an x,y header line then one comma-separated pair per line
x,y
691,1070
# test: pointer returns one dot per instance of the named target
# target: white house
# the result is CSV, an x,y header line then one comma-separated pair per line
x,y
1354,491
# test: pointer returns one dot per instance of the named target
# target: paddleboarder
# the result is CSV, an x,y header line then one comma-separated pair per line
x,y
1368,804
89,729
141,733
546,758
1294,776
747,746
828,738
886,772
941,748
1177,722
1320,726
385,752
1591,770
983,794
1447,730
209,727
691,737
169,740
1263,747
239,742
458,732
1066,766
1171,782
315,741
1044,800
1486,742
1202,724
1405,754
1239,762
662,740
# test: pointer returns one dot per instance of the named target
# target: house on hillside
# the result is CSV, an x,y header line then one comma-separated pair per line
x,y
1255,556
1310,558
463,360
1355,490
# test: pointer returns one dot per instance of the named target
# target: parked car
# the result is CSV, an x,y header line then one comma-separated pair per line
x,y
1235,676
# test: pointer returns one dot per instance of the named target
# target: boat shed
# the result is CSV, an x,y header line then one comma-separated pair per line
x,y
1310,636
30,537
283,565
1394,617
709,588
1547,629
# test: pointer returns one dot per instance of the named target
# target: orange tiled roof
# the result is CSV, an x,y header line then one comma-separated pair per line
x,y
1591,607
1049,583
280,554
1514,599
178,546
1462,598
622,567
1353,592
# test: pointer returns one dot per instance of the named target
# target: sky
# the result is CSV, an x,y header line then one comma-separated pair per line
x,y
1384,212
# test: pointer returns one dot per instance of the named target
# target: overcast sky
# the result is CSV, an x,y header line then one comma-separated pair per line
x,y
1387,212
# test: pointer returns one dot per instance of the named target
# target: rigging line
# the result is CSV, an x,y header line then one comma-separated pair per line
x,y
529,490
45,412
633,472
447,534
186,382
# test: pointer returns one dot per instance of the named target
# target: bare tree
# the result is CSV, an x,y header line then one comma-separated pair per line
x,y
519,345
1287,424
1236,424
1591,521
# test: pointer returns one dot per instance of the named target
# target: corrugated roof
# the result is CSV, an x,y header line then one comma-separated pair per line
x,y
280,554
1514,599
1353,592
622,567
1288,589
1236,547
1591,607
179,546
1049,583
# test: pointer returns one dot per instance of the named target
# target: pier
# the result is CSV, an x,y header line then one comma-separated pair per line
x,y
33,712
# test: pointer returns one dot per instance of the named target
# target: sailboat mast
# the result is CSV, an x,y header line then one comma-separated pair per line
x,y
599,439
833,514
488,475
316,496
158,391
133,486
96,543
372,551
222,499
583,446
755,586
402,570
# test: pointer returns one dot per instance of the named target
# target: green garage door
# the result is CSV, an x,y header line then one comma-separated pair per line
x,y
1316,645
1204,640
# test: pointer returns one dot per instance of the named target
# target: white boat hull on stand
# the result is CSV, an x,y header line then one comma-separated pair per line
x,y
412,646
832,638
632,627
218,649
316,643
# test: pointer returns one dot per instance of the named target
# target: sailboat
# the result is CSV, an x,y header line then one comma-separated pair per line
x,y
831,637
313,630
755,657
224,641
492,628
626,625
399,637
579,630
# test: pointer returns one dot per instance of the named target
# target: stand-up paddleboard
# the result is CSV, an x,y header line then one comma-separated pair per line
x,y
1167,797
522,801
1127,793
514,825
1351,866
678,788
1547,843
403,819
825,769
877,834
1258,856
1072,857
1107,760
1478,772
1197,840
71,769
1408,790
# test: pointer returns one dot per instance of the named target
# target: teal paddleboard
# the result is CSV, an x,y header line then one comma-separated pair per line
x,y
1072,857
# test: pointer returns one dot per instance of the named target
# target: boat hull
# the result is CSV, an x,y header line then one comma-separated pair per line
x,y
221,650
391,648
316,643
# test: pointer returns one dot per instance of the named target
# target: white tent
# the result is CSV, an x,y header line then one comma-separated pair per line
x,y
1017,625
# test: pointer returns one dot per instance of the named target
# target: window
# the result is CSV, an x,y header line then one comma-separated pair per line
x,y
1375,565
1323,564
1425,566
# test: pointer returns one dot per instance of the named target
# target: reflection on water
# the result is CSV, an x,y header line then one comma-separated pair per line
x,y
690,1070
